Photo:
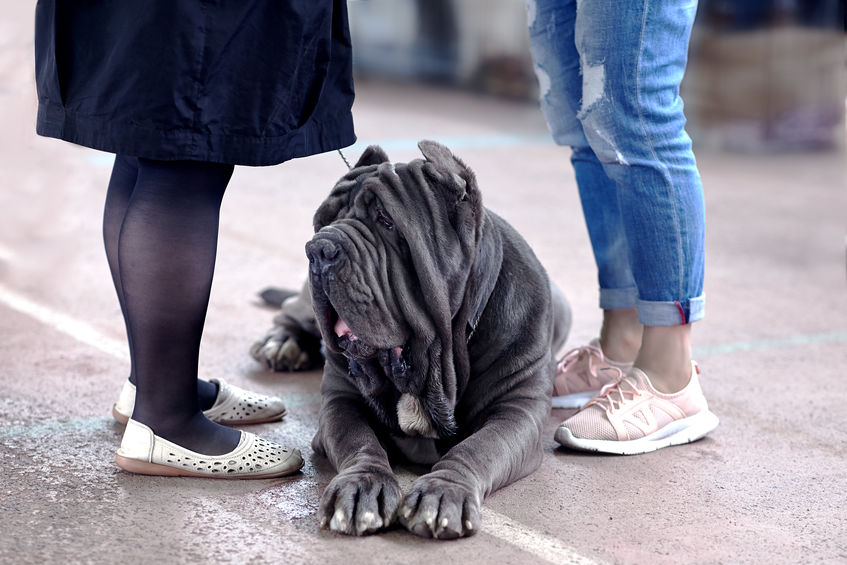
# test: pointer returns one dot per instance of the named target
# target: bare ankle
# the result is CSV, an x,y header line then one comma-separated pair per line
x,y
620,334
665,356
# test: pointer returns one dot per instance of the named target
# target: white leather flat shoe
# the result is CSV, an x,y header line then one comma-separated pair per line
x,y
233,406
145,453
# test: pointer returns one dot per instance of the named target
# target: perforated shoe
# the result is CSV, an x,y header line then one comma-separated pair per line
x,y
630,416
581,374
145,453
233,405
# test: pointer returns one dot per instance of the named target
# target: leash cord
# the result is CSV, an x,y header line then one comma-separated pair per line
x,y
343,158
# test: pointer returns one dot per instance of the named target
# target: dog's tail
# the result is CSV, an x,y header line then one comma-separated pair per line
x,y
273,296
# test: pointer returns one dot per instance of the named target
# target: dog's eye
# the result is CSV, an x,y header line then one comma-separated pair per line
x,y
383,219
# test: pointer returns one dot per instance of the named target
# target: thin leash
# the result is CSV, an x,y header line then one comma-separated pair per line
x,y
343,158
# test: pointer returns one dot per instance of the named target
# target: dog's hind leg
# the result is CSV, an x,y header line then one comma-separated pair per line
x,y
294,343
562,319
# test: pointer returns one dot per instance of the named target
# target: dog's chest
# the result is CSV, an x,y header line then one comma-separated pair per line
x,y
419,450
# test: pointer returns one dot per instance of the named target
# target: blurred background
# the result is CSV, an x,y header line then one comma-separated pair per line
x,y
763,75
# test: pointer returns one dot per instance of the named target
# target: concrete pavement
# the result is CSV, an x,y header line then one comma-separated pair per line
x,y
769,485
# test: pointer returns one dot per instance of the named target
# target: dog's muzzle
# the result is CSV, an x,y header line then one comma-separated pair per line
x,y
323,255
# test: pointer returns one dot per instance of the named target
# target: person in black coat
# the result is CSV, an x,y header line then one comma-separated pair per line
x,y
181,92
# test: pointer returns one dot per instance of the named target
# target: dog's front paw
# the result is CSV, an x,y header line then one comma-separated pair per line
x,y
360,503
281,351
439,508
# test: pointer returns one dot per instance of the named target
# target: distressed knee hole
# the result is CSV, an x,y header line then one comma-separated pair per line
x,y
601,141
593,86
544,83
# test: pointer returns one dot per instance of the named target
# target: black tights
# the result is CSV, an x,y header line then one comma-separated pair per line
x,y
160,228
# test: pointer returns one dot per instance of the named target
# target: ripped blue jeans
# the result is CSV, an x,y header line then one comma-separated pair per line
x,y
609,74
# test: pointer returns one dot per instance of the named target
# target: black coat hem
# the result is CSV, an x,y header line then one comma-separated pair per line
x,y
127,139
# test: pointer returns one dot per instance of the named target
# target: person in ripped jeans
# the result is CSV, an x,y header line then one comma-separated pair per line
x,y
609,76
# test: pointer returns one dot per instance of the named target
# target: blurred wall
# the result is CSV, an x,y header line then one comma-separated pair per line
x,y
480,44
767,75
763,75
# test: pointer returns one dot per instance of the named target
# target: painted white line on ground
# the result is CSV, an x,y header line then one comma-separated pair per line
x,y
541,545
66,324
514,533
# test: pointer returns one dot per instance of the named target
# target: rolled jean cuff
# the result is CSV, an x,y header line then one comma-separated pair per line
x,y
671,313
618,298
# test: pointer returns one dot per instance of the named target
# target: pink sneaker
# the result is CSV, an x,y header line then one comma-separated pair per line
x,y
581,374
630,416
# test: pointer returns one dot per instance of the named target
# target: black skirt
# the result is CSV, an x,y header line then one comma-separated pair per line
x,y
245,82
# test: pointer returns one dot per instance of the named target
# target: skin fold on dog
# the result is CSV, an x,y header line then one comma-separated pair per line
x,y
439,327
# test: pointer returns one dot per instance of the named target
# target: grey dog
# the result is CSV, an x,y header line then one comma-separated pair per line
x,y
439,327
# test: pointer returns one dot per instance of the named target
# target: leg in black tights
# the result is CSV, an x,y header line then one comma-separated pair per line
x,y
161,239
121,185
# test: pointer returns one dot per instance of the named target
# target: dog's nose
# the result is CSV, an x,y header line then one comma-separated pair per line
x,y
322,253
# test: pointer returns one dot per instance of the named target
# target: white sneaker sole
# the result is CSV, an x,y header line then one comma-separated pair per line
x,y
678,432
575,400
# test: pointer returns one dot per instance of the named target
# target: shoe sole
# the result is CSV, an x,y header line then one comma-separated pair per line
x,y
123,419
157,469
575,400
678,432
247,422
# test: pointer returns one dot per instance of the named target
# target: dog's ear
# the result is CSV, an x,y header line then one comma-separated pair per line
x,y
444,161
373,155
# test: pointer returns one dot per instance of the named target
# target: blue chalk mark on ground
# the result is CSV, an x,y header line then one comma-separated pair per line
x,y
455,142
85,425
56,427
770,344
100,159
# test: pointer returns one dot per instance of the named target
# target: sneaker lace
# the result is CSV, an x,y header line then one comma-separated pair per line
x,y
595,357
615,394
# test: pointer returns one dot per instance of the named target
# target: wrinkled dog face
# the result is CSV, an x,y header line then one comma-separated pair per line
x,y
359,273
388,265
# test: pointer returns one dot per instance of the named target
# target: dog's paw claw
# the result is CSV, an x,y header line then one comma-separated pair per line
x,y
339,522
359,503
441,509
